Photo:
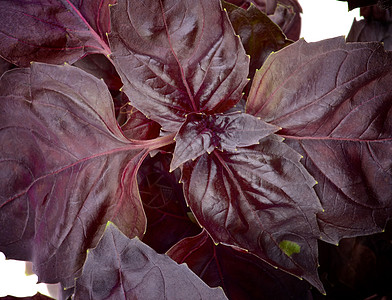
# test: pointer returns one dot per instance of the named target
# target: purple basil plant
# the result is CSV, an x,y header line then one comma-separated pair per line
x,y
136,136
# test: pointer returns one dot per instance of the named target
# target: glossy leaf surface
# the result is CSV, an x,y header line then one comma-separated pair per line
x,y
182,58
236,271
203,133
255,198
53,31
65,169
333,101
121,268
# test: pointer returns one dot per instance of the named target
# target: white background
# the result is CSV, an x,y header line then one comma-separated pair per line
x,y
321,19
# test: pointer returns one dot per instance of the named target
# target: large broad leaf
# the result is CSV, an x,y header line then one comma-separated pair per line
x,y
121,268
182,58
333,101
65,169
240,274
53,31
169,218
260,199
259,35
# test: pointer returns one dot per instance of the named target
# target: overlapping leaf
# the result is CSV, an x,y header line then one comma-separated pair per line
x,y
53,31
121,268
284,13
137,126
65,169
177,57
333,101
237,272
375,27
261,199
202,133
259,35
169,218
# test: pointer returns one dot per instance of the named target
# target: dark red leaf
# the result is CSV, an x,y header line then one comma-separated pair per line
x,y
259,35
65,169
202,133
288,16
333,101
375,27
101,67
284,13
182,58
169,218
260,199
138,126
53,31
242,275
121,268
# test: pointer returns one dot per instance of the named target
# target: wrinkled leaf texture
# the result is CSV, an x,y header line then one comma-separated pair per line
x,y
65,169
53,31
236,271
333,101
256,198
202,133
177,57
123,268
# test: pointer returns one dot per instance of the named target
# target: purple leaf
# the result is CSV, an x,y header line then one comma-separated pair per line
x,y
288,17
284,13
65,169
203,133
259,35
138,127
242,275
260,199
121,268
101,67
182,58
375,27
333,101
53,31
169,218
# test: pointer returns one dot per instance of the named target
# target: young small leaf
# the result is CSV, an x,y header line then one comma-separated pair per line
x,y
202,133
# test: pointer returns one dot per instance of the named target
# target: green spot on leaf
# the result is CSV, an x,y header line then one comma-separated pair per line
x,y
289,247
